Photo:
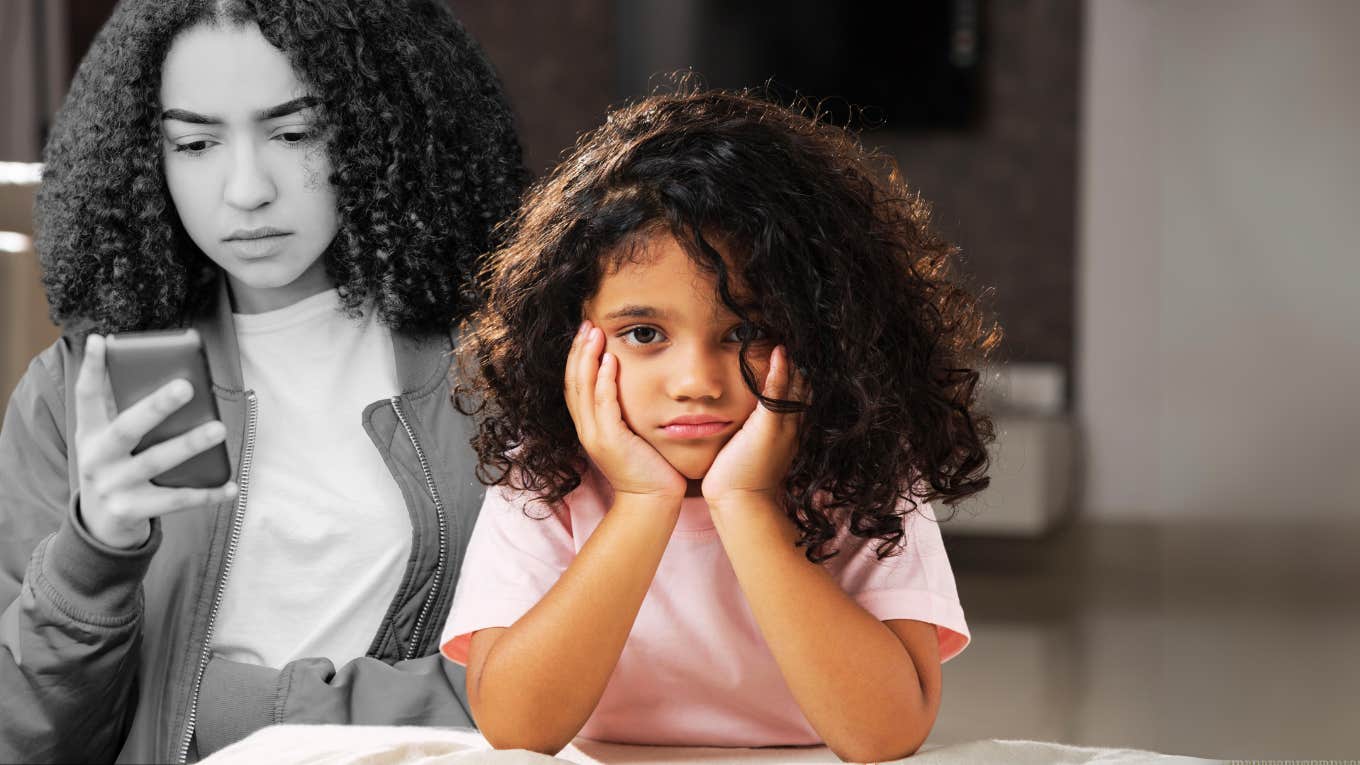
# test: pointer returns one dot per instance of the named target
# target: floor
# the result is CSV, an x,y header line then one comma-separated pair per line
x,y
1199,639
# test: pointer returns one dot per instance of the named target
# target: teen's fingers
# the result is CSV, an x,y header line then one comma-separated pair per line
x,y
91,388
163,456
127,429
155,501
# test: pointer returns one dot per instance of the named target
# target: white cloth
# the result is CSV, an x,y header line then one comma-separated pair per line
x,y
327,535
363,745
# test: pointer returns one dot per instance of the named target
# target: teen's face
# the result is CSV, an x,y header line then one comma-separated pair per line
x,y
245,165
678,347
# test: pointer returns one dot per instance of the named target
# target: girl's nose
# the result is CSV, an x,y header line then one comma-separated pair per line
x,y
249,185
700,373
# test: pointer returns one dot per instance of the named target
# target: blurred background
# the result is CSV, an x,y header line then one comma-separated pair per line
x,y
1161,199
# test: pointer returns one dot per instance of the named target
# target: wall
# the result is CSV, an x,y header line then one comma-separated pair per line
x,y
556,62
1006,192
1219,280
26,85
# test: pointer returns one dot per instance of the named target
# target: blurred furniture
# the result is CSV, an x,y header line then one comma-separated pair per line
x,y
1032,458
25,328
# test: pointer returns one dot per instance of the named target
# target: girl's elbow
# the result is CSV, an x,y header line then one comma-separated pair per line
x,y
519,740
518,731
879,746
864,751
539,748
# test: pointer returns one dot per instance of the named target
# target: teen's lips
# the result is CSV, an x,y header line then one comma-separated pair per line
x,y
696,426
256,242
254,233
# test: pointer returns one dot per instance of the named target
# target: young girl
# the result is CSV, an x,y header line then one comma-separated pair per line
x,y
721,369
307,183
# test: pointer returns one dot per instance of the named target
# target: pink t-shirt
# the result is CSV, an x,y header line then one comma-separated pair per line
x,y
695,670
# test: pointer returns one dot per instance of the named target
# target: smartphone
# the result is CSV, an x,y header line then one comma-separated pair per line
x,y
139,363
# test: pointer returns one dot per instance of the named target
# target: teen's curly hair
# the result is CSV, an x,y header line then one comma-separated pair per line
x,y
422,145
836,261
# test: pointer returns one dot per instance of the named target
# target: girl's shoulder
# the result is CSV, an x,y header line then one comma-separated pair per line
x,y
587,503
921,540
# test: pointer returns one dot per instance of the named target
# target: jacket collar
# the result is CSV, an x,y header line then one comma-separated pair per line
x,y
422,362
219,341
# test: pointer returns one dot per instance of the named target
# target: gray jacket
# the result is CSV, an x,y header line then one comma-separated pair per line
x,y
104,653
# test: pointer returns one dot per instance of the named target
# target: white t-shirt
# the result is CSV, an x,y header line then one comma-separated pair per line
x,y
327,534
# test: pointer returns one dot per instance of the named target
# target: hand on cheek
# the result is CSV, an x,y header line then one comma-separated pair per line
x,y
631,465
756,460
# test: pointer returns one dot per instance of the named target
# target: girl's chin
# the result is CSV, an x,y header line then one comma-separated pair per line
x,y
693,470
691,459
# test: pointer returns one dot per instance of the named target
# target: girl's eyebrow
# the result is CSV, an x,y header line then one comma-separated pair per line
x,y
273,112
636,312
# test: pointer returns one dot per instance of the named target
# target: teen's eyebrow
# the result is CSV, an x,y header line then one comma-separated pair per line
x,y
286,108
273,112
636,312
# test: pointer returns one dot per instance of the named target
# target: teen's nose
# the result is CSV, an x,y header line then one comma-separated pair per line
x,y
249,184
698,372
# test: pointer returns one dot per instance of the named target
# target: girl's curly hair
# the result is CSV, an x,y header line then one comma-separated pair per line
x,y
421,140
834,256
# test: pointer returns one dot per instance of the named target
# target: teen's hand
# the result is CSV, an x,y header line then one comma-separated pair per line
x,y
117,498
755,461
631,464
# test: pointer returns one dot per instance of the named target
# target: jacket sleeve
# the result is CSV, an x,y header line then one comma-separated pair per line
x,y
237,699
70,607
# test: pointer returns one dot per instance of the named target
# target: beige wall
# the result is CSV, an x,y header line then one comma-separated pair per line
x,y
1220,259
20,140
24,327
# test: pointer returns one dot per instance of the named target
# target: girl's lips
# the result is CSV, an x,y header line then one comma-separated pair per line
x,y
694,430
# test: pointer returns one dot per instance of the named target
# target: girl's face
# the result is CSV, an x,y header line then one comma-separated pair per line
x,y
678,347
245,165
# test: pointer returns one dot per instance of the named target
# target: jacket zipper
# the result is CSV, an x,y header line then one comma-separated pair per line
x,y
443,532
237,519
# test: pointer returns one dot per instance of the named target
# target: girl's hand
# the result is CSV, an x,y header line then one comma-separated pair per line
x,y
117,498
757,458
631,465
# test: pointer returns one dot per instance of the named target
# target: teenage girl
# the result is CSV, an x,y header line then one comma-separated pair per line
x,y
722,370
307,183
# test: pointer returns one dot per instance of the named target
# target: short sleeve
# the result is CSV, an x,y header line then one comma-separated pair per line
x,y
915,583
511,562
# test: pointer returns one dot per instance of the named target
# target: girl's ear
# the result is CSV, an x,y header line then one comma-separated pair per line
x,y
800,390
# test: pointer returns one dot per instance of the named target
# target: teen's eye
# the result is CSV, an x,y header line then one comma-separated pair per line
x,y
194,148
747,333
642,336
294,137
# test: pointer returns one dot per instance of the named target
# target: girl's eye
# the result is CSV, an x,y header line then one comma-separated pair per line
x,y
193,147
746,333
642,335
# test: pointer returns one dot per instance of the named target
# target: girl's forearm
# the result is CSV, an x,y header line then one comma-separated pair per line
x,y
542,678
857,683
